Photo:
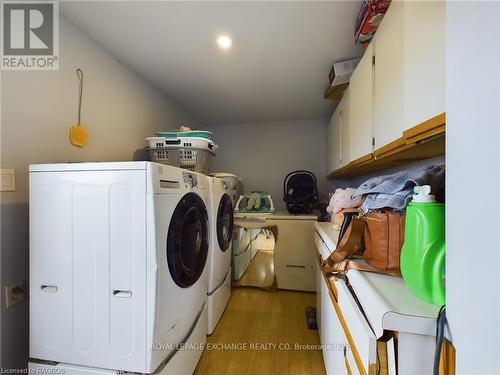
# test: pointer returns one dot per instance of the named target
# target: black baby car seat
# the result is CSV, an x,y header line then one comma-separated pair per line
x,y
300,192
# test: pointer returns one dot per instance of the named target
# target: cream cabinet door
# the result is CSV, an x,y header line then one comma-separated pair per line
x,y
319,300
388,119
424,60
344,129
294,257
333,338
363,337
333,142
361,107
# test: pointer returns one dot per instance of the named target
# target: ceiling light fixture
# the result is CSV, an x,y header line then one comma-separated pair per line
x,y
224,42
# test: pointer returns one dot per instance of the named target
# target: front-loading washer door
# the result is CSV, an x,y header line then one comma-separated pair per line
x,y
225,220
187,242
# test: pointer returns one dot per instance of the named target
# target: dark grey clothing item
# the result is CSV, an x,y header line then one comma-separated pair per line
x,y
396,190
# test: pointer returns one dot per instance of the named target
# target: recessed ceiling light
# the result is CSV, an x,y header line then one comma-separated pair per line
x,y
224,42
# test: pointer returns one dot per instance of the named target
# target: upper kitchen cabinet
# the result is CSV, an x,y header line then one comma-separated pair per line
x,y
409,69
333,152
361,107
424,60
396,94
344,128
337,139
389,109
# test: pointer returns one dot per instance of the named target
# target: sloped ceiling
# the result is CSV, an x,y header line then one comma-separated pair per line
x,y
277,68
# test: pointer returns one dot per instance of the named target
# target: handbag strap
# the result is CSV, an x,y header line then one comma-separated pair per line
x,y
347,264
339,261
350,243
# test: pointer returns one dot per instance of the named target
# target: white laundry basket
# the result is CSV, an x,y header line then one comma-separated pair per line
x,y
196,159
165,156
191,153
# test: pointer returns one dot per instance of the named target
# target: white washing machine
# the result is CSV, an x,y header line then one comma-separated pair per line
x,y
118,278
233,184
219,256
242,251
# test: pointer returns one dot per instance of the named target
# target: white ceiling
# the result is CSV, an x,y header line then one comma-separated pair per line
x,y
277,68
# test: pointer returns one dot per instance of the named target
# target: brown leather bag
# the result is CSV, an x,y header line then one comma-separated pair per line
x,y
378,236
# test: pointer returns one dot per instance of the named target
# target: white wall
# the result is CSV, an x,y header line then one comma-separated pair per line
x,y
473,185
262,154
119,110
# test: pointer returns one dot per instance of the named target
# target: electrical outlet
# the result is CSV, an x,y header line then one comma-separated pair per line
x,y
14,293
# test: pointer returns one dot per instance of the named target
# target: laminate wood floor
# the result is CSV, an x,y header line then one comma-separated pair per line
x,y
263,333
260,271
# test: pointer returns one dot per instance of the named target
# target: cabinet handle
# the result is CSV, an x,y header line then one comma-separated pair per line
x,y
295,266
122,293
49,288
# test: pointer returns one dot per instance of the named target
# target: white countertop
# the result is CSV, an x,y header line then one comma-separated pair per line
x,y
389,304
285,215
386,300
278,215
256,221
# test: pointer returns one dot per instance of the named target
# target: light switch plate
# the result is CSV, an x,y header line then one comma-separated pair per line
x,y
14,293
8,180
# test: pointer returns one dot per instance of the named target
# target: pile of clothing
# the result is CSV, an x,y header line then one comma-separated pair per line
x,y
393,191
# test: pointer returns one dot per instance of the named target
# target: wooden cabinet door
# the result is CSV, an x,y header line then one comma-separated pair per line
x,y
388,119
361,107
424,60
333,142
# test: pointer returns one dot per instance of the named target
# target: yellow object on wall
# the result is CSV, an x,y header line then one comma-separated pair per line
x,y
78,136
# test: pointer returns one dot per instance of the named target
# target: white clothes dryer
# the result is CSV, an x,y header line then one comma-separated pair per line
x,y
219,257
242,252
118,278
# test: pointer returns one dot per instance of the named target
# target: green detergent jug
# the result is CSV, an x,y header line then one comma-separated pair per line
x,y
423,252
